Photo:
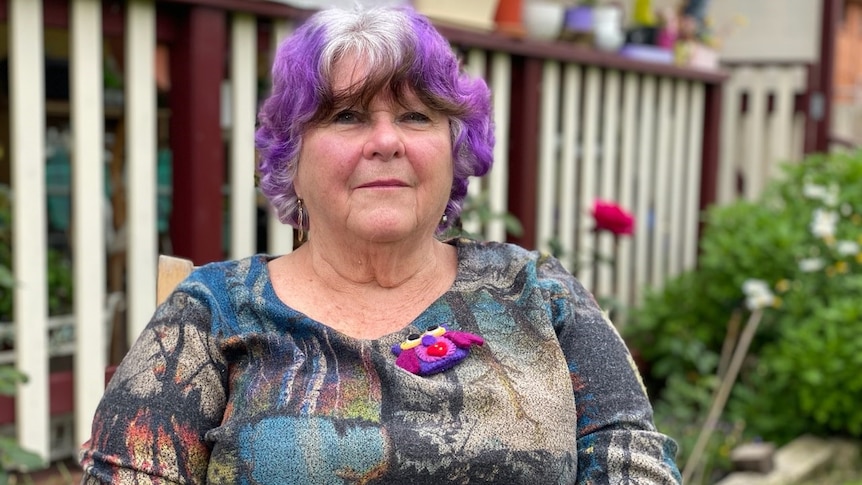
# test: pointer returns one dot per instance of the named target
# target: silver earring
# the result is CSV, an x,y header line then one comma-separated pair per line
x,y
444,219
300,219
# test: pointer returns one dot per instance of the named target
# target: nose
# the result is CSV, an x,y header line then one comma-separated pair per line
x,y
384,142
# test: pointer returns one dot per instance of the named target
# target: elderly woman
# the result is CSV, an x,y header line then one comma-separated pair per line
x,y
376,352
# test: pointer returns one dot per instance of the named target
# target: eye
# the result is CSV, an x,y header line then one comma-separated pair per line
x,y
346,116
415,117
435,330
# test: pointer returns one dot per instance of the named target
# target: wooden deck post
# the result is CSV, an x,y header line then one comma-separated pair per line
x,y
524,145
197,71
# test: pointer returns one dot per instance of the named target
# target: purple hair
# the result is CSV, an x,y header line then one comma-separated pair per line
x,y
407,53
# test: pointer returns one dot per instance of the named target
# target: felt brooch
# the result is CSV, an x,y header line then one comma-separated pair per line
x,y
435,350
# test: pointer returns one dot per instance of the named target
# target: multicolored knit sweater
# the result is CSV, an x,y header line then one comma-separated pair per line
x,y
229,385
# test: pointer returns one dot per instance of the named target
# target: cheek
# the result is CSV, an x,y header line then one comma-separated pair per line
x,y
321,162
435,158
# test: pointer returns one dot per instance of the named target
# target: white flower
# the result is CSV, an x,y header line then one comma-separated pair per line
x,y
847,248
759,301
829,196
810,265
823,223
754,286
758,294
814,191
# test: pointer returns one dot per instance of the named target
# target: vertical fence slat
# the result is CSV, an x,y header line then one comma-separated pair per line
x,y
498,182
628,141
644,188
88,175
754,141
730,120
569,162
696,104
243,74
280,236
660,202
27,130
589,175
786,82
140,98
755,123
549,120
678,169
608,179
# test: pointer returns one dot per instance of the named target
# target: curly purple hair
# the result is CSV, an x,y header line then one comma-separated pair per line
x,y
408,54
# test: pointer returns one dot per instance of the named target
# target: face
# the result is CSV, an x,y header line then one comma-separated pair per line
x,y
381,174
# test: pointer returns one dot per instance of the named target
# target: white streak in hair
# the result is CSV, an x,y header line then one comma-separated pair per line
x,y
375,36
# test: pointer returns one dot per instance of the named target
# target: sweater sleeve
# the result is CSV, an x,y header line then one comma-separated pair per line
x,y
168,391
616,437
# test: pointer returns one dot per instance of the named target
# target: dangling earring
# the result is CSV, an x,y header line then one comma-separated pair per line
x,y
300,218
444,219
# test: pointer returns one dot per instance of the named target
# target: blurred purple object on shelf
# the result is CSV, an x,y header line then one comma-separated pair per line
x,y
647,53
579,19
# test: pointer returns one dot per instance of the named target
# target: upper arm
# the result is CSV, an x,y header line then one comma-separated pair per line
x,y
167,393
617,438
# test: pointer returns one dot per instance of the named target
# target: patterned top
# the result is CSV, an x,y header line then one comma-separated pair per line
x,y
229,385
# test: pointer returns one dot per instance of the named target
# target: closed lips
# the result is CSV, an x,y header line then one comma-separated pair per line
x,y
383,183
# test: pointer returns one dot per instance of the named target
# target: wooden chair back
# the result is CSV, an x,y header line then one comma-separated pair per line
x,y
172,270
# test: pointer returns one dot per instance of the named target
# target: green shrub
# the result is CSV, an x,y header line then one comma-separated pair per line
x,y
802,374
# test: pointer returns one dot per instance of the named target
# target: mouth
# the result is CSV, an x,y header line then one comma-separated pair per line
x,y
382,184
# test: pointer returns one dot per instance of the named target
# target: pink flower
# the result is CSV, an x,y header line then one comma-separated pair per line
x,y
611,217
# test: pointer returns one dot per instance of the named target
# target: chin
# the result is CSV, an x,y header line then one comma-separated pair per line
x,y
389,231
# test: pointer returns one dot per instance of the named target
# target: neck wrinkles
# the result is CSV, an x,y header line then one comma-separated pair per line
x,y
390,266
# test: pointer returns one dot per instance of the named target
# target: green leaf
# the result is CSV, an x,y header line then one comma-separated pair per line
x,y
7,279
9,379
16,457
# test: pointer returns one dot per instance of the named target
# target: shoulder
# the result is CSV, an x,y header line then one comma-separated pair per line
x,y
242,267
222,281
221,274
224,291
499,258
510,264
492,253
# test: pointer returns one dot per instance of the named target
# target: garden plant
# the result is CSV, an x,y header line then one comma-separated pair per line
x,y
794,254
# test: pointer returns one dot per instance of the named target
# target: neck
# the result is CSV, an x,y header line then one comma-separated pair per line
x,y
384,266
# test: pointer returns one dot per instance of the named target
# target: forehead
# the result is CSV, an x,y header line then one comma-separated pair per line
x,y
354,79
349,71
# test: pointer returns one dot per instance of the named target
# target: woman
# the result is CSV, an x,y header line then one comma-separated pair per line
x,y
375,352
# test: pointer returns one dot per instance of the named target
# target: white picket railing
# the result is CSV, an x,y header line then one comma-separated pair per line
x,y
629,138
604,133
766,133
